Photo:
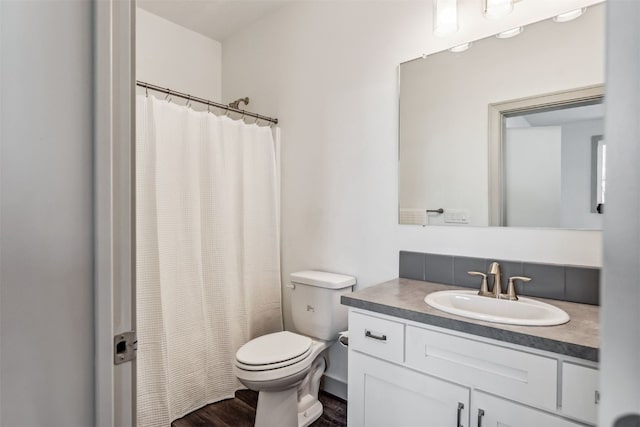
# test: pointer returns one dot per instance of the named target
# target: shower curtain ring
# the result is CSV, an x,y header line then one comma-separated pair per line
x,y
188,101
226,113
146,91
168,96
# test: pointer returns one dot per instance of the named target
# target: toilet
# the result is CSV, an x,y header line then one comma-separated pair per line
x,y
286,367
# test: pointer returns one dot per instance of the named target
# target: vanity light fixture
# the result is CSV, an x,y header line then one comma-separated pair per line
x,y
510,33
460,47
445,17
495,9
569,16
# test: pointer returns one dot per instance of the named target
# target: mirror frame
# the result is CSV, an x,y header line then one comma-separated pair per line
x,y
497,113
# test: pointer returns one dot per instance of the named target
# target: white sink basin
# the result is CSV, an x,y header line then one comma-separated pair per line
x,y
524,311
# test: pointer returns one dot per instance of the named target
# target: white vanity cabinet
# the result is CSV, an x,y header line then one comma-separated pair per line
x,y
384,394
403,373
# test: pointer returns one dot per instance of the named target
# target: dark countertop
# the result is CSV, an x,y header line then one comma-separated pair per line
x,y
404,298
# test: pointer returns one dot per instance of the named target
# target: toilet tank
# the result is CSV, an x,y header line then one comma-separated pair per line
x,y
315,303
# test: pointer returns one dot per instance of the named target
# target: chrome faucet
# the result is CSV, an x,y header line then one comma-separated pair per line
x,y
494,269
496,292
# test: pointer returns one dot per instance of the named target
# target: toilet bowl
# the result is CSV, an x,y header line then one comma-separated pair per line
x,y
286,367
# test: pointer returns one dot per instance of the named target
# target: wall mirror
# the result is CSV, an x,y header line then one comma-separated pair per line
x,y
508,132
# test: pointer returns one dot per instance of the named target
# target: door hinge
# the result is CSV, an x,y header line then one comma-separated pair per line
x,y
125,346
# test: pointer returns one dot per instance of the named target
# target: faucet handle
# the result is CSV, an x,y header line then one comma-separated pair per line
x,y
511,289
494,268
484,287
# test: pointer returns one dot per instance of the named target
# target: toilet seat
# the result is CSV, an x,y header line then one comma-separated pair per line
x,y
294,365
273,351
270,366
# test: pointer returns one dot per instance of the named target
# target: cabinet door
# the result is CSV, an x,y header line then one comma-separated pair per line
x,y
517,375
491,411
384,394
580,395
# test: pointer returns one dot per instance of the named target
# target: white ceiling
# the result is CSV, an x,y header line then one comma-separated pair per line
x,y
216,19
557,117
566,115
219,19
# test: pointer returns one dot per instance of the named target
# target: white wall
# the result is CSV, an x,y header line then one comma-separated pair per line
x,y
532,176
46,215
328,71
177,58
444,102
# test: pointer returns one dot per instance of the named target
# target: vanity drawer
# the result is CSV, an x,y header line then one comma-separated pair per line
x,y
580,395
375,336
520,376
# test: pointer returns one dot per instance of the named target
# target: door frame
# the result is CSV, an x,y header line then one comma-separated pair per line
x,y
114,207
620,289
497,113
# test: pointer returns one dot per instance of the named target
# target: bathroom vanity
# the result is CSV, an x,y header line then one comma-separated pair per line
x,y
413,365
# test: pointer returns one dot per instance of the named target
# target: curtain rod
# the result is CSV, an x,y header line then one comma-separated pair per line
x,y
205,101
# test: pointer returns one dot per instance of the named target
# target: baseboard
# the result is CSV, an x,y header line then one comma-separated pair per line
x,y
334,386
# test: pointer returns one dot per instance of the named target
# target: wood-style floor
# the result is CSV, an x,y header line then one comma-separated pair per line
x,y
241,412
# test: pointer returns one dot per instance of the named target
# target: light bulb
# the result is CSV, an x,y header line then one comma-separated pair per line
x,y
445,17
510,33
494,9
460,48
569,16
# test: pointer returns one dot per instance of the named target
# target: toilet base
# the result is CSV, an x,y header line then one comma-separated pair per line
x,y
290,401
296,406
277,408
309,407
307,417
280,409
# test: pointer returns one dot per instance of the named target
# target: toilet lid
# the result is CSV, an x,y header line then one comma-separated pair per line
x,y
273,348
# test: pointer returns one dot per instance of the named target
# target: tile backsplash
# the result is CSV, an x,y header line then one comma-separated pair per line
x,y
560,282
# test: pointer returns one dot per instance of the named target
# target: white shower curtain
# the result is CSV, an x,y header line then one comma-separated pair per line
x,y
208,253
